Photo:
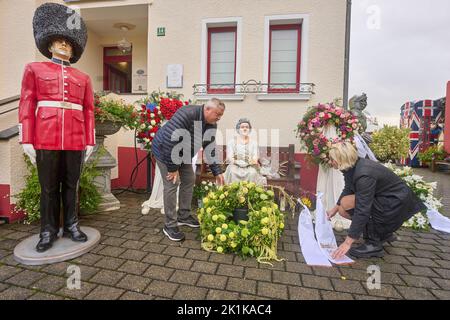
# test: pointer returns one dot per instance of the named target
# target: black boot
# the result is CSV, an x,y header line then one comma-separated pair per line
x,y
373,245
367,250
75,234
390,238
45,242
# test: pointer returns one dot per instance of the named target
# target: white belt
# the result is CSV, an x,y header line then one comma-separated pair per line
x,y
60,104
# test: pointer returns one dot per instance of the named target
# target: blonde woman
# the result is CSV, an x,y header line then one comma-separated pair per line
x,y
374,198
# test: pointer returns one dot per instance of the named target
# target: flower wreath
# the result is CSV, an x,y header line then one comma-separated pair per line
x,y
257,237
155,110
311,130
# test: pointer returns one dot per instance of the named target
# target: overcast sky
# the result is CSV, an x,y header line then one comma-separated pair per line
x,y
400,51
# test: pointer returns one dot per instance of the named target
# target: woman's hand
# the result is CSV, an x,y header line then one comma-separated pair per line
x,y
332,212
343,249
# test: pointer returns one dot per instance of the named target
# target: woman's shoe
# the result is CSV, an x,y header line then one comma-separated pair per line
x,y
367,250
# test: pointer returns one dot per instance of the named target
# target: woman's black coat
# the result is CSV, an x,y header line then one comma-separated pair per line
x,y
381,196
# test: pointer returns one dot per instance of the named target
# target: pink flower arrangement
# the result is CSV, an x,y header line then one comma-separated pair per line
x,y
310,130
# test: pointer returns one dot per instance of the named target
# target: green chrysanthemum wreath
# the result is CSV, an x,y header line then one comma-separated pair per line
x,y
257,237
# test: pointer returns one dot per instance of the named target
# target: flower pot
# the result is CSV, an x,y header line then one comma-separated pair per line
x,y
107,127
240,214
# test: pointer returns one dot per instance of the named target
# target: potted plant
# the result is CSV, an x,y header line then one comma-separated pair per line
x,y
390,143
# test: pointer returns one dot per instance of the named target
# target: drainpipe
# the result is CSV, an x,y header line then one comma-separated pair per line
x,y
347,52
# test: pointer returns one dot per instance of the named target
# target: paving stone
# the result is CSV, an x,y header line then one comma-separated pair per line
x,y
113,241
7,272
212,281
16,293
440,294
258,274
133,244
112,251
3,286
221,295
286,278
25,278
159,273
424,254
332,295
386,290
240,285
275,291
50,284
154,247
135,255
420,282
107,277
327,272
221,258
156,258
134,267
299,293
185,277
104,293
84,290
133,283
45,296
197,255
410,293
421,271
316,282
444,273
162,289
349,286
135,296
298,267
175,251
87,259
185,292
180,263
231,271
110,263
204,267
396,259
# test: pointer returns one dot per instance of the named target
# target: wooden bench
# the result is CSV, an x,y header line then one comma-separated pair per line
x,y
291,181
436,163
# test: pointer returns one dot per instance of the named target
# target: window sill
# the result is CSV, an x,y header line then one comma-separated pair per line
x,y
224,97
284,97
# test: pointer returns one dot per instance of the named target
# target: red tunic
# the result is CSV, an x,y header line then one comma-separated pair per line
x,y
53,128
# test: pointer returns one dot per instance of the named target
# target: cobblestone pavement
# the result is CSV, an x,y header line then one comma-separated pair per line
x,y
135,261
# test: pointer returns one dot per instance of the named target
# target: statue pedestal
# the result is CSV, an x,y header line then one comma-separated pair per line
x,y
63,249
105,162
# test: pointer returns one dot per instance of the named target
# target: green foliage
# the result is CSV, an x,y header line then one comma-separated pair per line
x,y
201,190
116,110
28,199
438,153
390,143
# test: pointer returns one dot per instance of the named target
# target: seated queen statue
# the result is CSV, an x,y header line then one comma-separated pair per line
x,y
242,156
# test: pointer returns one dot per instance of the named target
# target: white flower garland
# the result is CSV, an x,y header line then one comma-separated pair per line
x,y
424,190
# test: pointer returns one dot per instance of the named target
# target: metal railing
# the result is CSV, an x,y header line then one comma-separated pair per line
x,y
6,101
253,86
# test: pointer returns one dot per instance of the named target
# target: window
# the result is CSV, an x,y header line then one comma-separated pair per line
x,y
284,58
221,73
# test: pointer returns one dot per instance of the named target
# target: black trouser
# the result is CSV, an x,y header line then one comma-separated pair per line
x,y
372,232
59,174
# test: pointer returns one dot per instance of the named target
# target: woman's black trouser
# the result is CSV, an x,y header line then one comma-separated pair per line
x,y
59,174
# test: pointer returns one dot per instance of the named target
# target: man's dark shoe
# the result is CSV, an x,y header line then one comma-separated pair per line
x,y
189,221
367,250
45,242
173,233
75,234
